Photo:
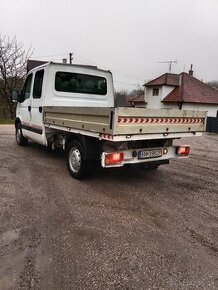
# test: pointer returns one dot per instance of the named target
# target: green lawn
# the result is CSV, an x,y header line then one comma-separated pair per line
x,y
6,121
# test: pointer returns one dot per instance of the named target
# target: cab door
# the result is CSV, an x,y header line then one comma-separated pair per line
x,y
38,130
24,107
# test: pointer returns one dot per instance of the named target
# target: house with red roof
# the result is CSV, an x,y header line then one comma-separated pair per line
x,y
136,101
181,91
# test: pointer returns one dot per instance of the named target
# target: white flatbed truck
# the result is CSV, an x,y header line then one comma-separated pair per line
x,y
73,107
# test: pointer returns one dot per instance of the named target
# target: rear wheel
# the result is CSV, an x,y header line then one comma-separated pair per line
x,y
20,139
78,166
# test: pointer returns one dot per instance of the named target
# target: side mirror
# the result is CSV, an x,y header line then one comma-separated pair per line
x,y
15,97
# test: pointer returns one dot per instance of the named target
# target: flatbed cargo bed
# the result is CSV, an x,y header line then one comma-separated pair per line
x,y
125,121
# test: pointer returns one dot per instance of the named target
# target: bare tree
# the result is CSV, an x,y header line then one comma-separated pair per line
x,y
121,98
13,59
213,84
138,91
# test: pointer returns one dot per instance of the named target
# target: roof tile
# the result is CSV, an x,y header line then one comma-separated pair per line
x,y
192,90
165,79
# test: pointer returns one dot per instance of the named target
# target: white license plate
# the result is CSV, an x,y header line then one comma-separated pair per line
x,y
144,154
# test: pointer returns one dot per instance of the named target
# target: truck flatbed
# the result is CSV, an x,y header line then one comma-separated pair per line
x,y
110,123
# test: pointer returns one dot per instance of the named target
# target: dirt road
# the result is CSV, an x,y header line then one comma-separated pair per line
x,y
121,229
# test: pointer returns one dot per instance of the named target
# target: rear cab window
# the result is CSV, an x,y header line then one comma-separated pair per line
x,y
80,83
25,93
37,88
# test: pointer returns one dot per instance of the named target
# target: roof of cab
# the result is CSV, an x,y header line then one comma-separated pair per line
x,y
34,64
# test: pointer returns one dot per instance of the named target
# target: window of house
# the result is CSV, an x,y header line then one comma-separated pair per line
x,y
155,92
37,88
80,83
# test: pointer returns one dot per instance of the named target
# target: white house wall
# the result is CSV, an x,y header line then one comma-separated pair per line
x,y
211,109
155,102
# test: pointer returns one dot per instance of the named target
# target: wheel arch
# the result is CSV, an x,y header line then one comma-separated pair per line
x,y
90,145
17,121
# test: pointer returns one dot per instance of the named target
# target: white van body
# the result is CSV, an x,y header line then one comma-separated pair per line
x,y
73,107
29,110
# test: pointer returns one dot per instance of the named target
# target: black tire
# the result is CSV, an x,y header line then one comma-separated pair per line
x,y
20,139
78,166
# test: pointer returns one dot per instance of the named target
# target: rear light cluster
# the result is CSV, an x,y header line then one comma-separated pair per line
x,y
183,150
113,158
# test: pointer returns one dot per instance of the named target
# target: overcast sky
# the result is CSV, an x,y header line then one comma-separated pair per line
x,y
129,37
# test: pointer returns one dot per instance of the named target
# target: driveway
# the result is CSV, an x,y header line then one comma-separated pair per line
x,y
121,229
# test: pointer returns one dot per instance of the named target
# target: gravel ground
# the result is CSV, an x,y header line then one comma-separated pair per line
x,y
121,229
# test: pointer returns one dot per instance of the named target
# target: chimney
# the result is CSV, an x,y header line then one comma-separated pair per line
x,y
191,70
64,60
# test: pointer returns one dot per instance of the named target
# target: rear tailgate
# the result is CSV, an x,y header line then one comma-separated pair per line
x,y
149,121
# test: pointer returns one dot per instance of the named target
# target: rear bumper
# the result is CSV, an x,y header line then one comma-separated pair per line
x,y
136,137
131,157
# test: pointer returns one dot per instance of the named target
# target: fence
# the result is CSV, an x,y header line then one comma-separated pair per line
x,y
212,124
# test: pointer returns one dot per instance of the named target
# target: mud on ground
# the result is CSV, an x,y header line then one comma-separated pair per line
x,y
120,229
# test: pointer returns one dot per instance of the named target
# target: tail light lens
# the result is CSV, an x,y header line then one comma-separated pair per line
x,y
183,150
113,158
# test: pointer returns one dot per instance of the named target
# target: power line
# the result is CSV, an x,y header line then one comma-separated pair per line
x,y
133,85
123,74
126,76
129,75
116,71
63,54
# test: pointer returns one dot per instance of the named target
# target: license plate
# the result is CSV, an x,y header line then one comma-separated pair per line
x,y
144,154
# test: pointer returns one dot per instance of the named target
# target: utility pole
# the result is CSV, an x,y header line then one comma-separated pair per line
x,y
170,63
71,57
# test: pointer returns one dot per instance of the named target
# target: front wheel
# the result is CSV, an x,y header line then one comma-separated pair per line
x,y
78,166
20,139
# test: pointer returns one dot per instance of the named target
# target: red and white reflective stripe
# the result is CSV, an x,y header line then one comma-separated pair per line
x,y
106,136
135,120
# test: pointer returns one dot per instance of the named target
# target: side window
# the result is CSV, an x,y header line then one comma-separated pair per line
x,y
27,87
37,88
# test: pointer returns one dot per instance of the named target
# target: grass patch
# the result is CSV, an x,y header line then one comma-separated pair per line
x,y
6,121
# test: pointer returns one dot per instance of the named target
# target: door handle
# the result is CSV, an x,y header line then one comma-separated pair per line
x,y
40,109
29,108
